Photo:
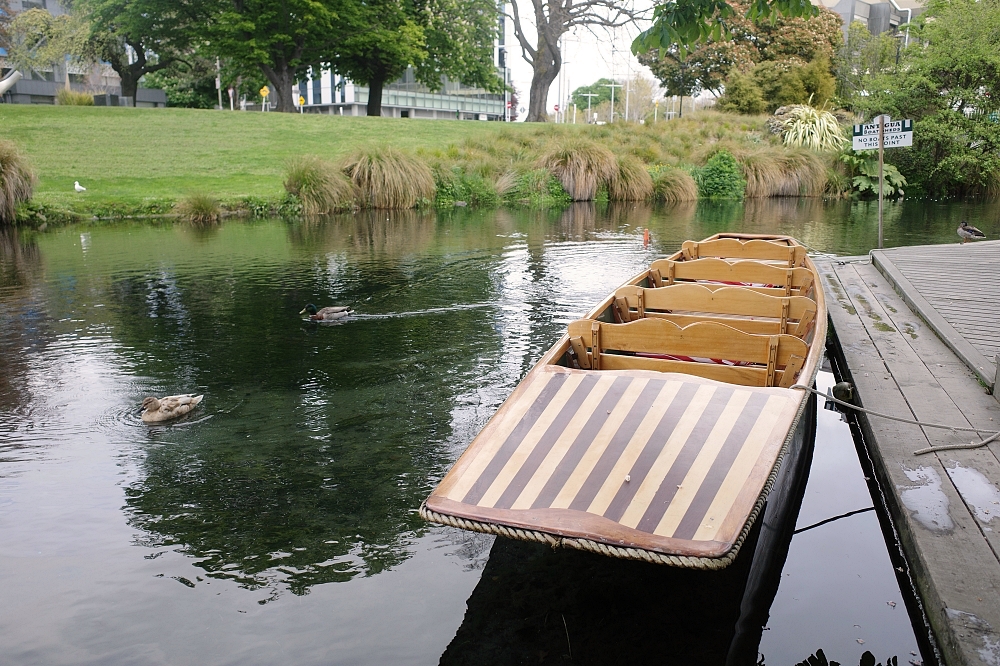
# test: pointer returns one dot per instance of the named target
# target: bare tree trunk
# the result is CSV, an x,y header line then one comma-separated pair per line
x,y
541,80
282,78
553,19
375,87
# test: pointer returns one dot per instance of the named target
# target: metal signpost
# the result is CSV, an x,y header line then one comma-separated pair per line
x,y
882,133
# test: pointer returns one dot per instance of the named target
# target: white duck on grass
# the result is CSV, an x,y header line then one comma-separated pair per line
x,y
155,410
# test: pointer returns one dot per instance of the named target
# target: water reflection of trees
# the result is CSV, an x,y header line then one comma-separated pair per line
x,y
323,440
21,320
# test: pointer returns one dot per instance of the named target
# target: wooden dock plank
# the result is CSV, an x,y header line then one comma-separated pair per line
x,y
954,288
955,569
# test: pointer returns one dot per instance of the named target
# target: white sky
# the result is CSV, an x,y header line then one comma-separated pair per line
x,y
587,56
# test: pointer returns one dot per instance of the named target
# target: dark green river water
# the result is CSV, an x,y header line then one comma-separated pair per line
x,y
278,523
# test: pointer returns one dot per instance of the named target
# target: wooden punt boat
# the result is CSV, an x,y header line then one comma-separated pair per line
x,y
655,428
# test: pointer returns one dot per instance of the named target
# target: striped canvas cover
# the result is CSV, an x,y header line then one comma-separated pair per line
x,y
664,462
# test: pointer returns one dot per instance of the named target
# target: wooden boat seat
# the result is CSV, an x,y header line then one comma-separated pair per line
x,y
742,308
705,349
759,276
734,248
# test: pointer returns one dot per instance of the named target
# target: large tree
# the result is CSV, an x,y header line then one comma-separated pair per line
x,y
137,37
41,41
438,38
6,15
280,37
552,20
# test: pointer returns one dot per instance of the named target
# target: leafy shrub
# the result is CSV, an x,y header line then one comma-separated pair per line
x,y
742,95
581,166
811,128
320,186
863,166
72,98
537,188
784,82
388,178
720,178
455,185
199,208
17,181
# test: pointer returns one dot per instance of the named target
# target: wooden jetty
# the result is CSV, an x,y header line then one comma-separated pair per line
x,y
916,330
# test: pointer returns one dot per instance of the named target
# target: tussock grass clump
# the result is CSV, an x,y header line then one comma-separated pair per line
x,y
776,172
388,178
199,208
630,181
672,185
17,180
581,166
320,186
72,98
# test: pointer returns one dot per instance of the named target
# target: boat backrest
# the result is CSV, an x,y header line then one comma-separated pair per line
x,y
706,349
734,248
742,308
759,276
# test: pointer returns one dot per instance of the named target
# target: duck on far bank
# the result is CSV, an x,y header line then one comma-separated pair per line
x,y
155,410
327,314
966,231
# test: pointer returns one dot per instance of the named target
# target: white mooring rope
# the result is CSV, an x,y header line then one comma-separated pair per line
x,y
930,449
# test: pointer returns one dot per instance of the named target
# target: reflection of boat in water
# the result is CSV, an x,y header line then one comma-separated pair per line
x,y
538,605
654,429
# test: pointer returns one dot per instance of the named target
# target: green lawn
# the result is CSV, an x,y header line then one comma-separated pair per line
x,y
129,155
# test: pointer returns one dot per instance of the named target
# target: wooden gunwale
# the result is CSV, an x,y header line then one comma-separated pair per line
x,y
509,496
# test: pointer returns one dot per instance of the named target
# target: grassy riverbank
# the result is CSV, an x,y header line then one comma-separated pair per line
x,y
136,161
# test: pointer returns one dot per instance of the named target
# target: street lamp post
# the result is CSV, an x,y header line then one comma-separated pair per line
x,y
612,85
589,96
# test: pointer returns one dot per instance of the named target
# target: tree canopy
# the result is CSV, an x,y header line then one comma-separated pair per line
x,y
683,25
136,37
450,38
784,39
600,88
949,84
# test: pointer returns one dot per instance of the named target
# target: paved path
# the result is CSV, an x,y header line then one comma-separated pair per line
x,y
956,290
945,506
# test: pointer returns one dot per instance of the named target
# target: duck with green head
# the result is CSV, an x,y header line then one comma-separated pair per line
x,y
327,314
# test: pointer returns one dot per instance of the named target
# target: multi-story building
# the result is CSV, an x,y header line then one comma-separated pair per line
x,y
404,98
878,17
41,87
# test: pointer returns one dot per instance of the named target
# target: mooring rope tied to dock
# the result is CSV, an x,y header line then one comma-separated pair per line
x,y
930,449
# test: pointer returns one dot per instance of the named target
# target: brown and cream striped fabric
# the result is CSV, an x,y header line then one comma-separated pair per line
x,y
661,461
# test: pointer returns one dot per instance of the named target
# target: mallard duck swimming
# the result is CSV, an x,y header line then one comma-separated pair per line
x,y
966,232
327,314
155,410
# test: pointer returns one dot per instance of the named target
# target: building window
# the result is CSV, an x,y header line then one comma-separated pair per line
x,y
303,93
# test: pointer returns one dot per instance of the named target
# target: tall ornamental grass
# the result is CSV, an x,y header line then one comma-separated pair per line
x,y
808,127
17,181
581,166
72,98
630,181
783,172
388,178
320,186
199,209
672,185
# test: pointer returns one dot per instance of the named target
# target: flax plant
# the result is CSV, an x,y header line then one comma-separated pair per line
x,y
808,127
